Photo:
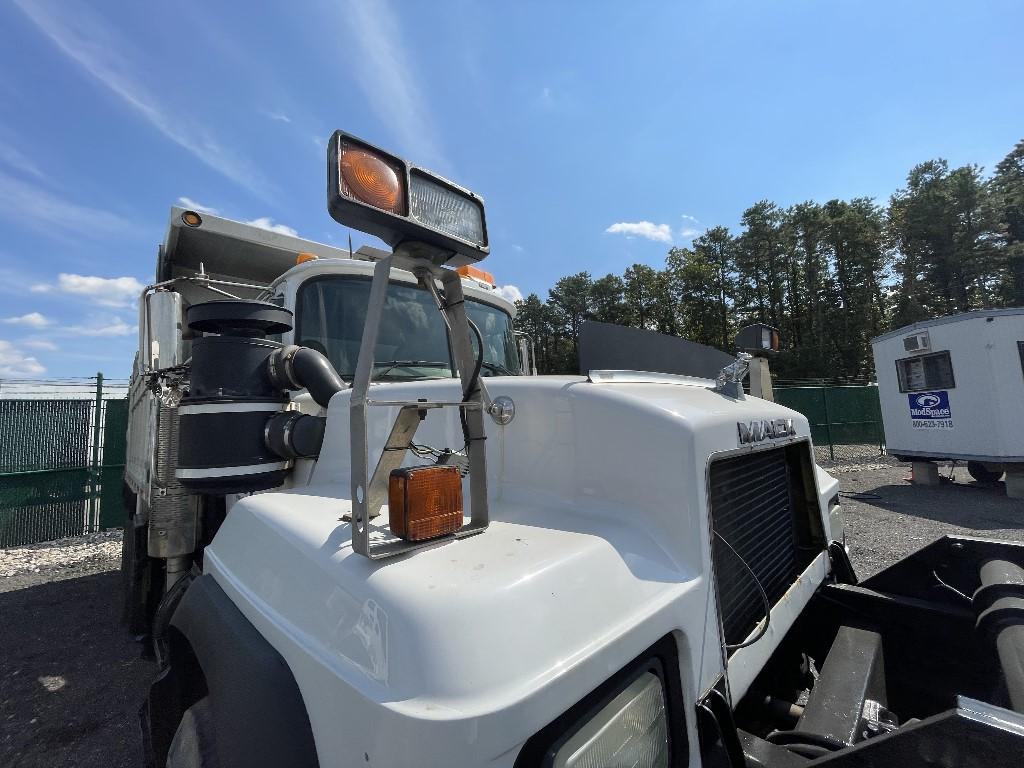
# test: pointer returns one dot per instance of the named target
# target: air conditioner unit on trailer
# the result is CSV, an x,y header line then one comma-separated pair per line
x,y
919,342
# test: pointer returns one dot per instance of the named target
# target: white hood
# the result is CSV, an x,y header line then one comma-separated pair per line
x,y
455,655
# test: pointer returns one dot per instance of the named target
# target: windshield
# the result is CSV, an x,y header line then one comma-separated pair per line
x,y
413,339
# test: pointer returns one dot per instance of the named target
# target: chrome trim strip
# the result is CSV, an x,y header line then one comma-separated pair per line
x,y
196,410
245,469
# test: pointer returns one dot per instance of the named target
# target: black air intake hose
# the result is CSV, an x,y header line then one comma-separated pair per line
x,y
294,435
295,367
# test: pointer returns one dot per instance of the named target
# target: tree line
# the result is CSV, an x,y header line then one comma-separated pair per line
x,y
829,276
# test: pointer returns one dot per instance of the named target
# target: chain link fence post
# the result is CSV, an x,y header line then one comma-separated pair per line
x,y
828,425
95,471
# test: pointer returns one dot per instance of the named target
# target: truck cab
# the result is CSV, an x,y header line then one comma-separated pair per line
x,y
358,535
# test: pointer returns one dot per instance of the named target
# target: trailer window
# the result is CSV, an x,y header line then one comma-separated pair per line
x,y
1020,349
925,372
331,311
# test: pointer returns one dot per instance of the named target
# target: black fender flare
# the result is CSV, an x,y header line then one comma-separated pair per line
x,y
259,716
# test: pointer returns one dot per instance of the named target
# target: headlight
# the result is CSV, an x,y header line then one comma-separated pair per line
x,y
634,719
376,192
446,210
630,731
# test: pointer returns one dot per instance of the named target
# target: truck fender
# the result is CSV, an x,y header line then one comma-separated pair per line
x,y
259,716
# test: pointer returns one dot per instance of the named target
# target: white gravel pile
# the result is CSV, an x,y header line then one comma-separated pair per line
x,y
75,555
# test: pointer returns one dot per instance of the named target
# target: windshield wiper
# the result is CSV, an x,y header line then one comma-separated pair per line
x,y
497,368
390,365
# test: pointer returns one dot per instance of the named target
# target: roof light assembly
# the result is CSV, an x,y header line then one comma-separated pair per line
x,y
378,193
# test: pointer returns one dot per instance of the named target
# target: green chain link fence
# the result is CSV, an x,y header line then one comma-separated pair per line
x,y
846,421
61,463
62,458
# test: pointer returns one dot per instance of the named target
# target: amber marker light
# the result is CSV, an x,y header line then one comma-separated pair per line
x,y
191,219
372,179
303,257
425,502
477,274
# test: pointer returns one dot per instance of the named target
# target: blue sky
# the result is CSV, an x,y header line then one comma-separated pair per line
x,y
599,133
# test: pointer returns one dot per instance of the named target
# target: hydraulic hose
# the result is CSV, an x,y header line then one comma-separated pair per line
x,y
295,367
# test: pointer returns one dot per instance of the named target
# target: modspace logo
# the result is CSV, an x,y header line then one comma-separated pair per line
x,y
930,405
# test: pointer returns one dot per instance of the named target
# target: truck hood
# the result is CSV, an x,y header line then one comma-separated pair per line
x,y
597,548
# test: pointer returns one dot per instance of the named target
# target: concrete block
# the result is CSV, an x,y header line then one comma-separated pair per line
x,y
926,473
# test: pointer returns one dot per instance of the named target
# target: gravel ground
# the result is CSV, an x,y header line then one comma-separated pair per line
x,y
22,567
71,680
887,518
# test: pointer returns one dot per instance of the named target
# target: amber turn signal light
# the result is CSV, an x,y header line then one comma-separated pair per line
x,y
425,502
372,179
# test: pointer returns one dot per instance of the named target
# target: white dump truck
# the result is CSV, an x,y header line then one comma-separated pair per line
x,y
358,535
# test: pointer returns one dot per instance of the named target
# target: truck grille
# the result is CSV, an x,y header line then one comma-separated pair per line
x,y
753,509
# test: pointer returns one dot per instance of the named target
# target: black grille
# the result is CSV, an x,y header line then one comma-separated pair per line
x,y
752,508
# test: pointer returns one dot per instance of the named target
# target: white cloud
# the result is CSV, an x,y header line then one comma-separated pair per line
x,y
191,204
388,80
33,206
660,232
692,229
42,344
279,116
517,248
15,363
85,39
510,292
105,291
12,158
113,326
267,223
32,320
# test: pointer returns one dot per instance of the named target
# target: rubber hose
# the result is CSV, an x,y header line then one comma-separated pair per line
x,y
295,367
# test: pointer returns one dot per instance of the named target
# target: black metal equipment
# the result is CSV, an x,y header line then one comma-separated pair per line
x,y
610,347
848,701
221,444
758,339
234,435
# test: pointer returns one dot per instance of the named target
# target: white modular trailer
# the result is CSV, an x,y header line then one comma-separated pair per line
x,y
953,387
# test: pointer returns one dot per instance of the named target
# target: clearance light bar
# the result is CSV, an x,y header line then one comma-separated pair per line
x,y
477,274
375,192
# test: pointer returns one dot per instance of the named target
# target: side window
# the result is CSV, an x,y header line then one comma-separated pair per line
x,y
925,372
1020,349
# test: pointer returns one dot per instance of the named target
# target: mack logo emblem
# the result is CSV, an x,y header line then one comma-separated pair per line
x,y
764,429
